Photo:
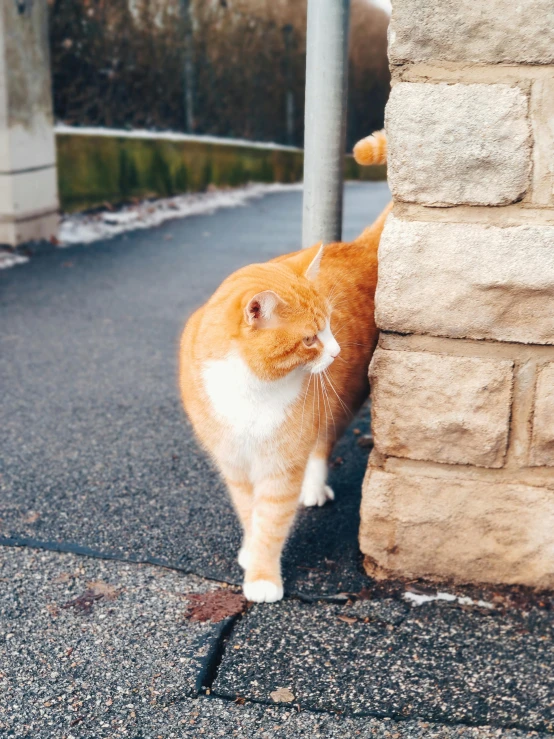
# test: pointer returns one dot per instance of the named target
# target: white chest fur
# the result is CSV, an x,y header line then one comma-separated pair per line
x,y
251,408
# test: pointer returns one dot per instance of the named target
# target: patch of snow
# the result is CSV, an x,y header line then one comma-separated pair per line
x,y
419,598
84,228
138,133
10,259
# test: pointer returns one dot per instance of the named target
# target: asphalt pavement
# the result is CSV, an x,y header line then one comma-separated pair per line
x,y
101,481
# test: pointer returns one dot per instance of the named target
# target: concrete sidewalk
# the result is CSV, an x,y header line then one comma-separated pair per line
x,y
130,663
110,517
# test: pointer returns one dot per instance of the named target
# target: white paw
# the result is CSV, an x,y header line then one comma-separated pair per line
x,y
244,558
262,591
314,490
312,495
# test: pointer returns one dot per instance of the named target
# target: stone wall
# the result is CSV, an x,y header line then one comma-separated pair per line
x,y
460,484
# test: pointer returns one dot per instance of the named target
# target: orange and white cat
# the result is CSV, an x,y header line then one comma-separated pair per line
x,y
272,368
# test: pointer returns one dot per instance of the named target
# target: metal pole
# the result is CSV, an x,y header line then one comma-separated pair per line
x,y
325,119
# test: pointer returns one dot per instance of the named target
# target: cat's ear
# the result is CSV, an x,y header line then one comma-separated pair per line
x,y
313,268
307,261
261,309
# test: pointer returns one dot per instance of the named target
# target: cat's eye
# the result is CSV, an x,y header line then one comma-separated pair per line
x,y
310,340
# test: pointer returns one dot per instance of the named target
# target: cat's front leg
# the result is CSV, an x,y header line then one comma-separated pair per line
x,y
315,491
275,504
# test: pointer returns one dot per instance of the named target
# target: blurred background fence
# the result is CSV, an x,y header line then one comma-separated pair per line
x,y
233,68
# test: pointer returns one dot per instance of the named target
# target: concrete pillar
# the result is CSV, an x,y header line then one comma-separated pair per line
x,y
28,183
460,485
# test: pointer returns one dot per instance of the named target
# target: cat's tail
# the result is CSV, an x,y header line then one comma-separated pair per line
x,y
369,238
372,149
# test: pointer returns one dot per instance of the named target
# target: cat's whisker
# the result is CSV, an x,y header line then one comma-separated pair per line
x,y
341,302
347,410
337,332
313,403
335,304
340,306
324,407
336,309
333,288
314,393
330,408
304,404
318,410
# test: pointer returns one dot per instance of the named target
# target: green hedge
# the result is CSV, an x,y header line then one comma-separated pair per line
x,y
98,169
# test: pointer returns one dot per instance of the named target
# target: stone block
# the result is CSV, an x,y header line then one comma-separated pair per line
x,y
458,144
436,407
542,118
24,194
542,442
467,280
456,529
43,227
495,31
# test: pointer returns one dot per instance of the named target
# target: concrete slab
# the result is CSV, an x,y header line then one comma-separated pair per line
x,y
433,662
218,718
94,663
130,665
96,454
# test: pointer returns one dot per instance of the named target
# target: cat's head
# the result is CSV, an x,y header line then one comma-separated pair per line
x,y
284,320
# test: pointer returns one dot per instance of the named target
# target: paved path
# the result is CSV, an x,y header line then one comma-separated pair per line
x,y
98,460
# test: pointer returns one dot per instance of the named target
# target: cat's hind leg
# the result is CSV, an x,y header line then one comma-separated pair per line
x,y
315,491
242,495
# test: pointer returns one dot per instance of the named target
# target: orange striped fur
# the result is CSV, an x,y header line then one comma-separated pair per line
x,y
268,392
